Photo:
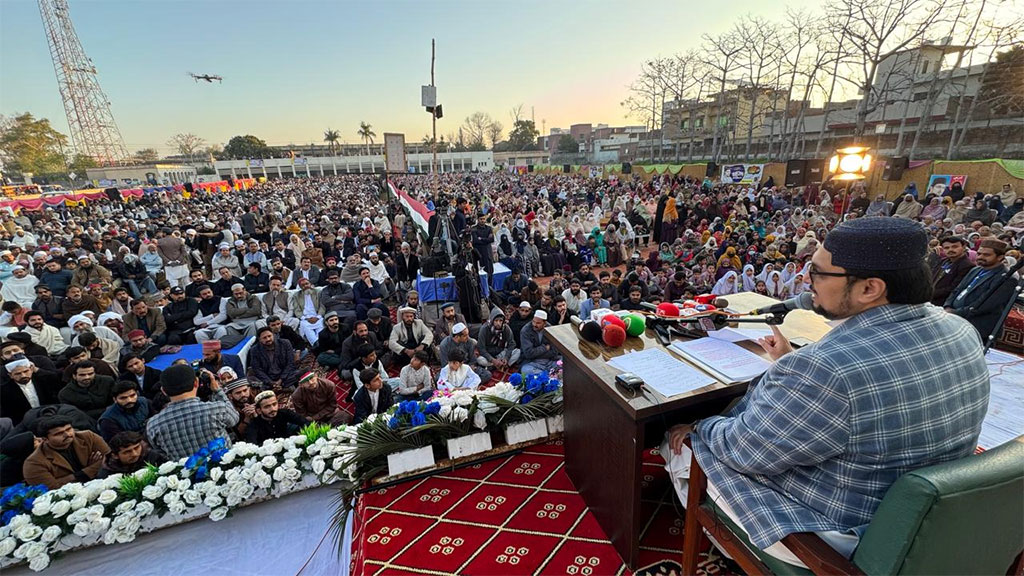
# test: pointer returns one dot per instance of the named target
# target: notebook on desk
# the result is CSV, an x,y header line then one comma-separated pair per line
x,y
725,361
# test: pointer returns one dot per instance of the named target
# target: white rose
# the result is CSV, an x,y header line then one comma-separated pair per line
x,y
192,497
27,532
141,473
293,454
269,462
78,502
111,536
144,508
30,550
93,513
460,414
106,497
164,481
279,474
318,466
39,563
445,412
82,529
51,534
60,508
41,507
177,507
152,492
338,463
76,516
218,514
171,498
227,458
479,420
464,400
293,474
7,545
20,520
125,507
112,482
100,526
167,467
171,482
216,474
212,501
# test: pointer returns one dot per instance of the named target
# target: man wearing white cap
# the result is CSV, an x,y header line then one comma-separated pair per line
x,y
225,258
538,355
409,336
459,339
25,387
20,287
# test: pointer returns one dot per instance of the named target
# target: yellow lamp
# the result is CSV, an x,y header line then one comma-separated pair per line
x,y
850,163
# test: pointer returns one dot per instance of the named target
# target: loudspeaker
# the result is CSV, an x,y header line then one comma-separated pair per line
x,y
113,194
894,168
529,167
796,173
627,168
814,171
189,188
712,170
566,168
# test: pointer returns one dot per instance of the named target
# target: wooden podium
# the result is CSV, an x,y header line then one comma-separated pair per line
x,y
607,428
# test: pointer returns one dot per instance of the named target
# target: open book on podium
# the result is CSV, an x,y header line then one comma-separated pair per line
x,y
726,361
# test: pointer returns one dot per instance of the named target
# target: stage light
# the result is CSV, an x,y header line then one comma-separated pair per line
x,y
850,163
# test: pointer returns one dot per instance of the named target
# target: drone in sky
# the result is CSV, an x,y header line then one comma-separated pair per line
x,y
208,77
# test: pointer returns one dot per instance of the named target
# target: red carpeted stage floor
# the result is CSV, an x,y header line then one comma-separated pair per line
x,y
518,514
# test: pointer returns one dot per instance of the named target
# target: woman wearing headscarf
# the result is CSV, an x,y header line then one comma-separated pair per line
x,y
878,207
748,279
957,212
934,210
765,271
726,285
796,285
728,261
909,208
668,220
980,212
613,246
788,272
775,286
1012,211
805,240
596,244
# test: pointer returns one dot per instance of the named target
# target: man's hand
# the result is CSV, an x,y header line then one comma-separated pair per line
x,y
95,457
248,411
676,435
409,352
775,345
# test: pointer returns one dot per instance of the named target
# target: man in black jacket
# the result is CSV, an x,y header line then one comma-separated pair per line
x,y
349,356
25,387
373,397
178,315
134,369
272,421
328,347
951,269
971,298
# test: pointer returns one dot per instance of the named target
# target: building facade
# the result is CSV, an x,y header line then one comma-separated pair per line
x,y
418,163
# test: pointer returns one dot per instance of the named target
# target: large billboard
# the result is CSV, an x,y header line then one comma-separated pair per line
x,y
394,153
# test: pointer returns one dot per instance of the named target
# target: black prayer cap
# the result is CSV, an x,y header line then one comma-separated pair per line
x,y
877,244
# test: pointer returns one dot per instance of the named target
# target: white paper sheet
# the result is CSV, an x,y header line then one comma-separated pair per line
x,y
660,371
1005,418
727,361
728,334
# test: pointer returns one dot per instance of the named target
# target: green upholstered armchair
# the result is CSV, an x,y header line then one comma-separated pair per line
x,y
960,517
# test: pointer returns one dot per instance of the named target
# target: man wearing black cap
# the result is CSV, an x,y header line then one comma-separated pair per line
x,y
187,423
984,292
819,439
179,315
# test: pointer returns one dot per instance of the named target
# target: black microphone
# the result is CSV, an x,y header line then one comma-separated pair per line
x,y
804,301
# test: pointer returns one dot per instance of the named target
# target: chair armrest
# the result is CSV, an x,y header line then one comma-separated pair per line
x,y
819,557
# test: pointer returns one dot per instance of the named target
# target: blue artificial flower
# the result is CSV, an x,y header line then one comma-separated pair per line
x,y
41,488
394,423
201,472
407,407
217,444
526,399
10,491
515,379
192,461
433,408
543,377
555,382
6,518
418,419
216,456
28,502
548,388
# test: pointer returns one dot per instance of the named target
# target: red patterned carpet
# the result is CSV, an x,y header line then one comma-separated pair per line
x,y
513,515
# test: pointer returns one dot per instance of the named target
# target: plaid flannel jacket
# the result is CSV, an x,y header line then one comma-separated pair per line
x,y
818,441
182,428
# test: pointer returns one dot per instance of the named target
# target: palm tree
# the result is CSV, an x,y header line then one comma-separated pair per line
x,y
331,137
367,134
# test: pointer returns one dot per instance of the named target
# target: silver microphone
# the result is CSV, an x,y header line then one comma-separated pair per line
x,y
804,301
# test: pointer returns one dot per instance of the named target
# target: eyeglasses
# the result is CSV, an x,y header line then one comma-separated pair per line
x,y
814,273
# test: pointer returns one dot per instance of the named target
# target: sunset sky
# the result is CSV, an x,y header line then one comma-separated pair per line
x,y
293,69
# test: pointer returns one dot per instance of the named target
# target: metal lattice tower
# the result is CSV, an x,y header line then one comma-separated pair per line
x,y
93,130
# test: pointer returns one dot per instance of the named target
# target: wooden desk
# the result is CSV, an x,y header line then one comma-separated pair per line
x,y
607,428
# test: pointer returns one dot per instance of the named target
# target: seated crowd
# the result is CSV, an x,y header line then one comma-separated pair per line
x,y
315,279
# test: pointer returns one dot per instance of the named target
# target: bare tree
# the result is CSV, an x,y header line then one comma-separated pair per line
x,y
757,60
875,31
494,132
642,101
967,11
475,130
186,144
720,55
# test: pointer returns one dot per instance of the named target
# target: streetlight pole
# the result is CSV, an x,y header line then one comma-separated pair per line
x,y
433,122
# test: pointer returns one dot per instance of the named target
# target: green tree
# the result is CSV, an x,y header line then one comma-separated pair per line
x,y
147,155
523,136
30,145
367,134
568,144
80,163
247,146
331,137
